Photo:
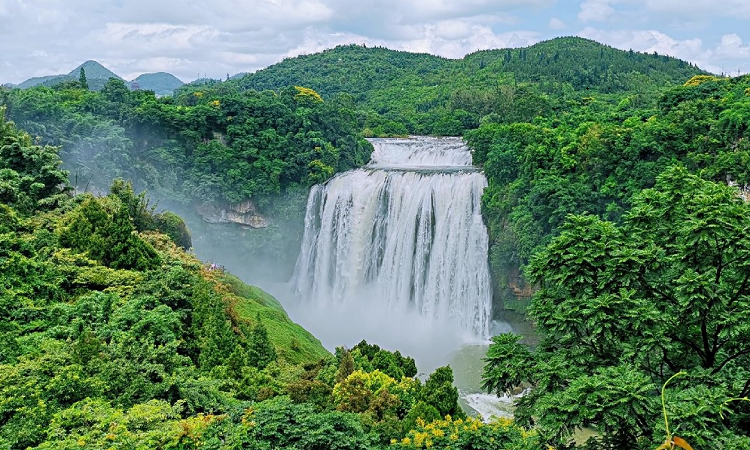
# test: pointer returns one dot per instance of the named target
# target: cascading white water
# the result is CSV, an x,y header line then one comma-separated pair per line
x,y
405,230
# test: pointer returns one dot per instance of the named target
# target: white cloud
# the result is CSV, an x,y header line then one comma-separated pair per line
x,y
481,37
231,35
190,37
731,46
701,8
450,39
727,56
557,24
596,11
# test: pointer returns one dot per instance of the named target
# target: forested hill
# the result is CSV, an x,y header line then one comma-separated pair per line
x,y
96,76
580,63
421,93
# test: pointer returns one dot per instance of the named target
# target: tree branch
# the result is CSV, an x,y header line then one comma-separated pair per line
x,y
730,358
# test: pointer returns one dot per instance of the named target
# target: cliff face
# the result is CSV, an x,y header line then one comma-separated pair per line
x,y
243,213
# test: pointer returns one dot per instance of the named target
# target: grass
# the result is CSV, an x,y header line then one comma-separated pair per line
x,y
293,343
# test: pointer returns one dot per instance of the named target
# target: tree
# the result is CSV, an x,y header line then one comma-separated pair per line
x,y
108,238
30,175
622,308
439,392
346,364
82,79
261,351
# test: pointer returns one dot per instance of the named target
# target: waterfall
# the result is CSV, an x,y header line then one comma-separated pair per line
x,y
406,231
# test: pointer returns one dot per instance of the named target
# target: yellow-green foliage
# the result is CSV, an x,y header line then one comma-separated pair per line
x,y
356,391
307,95
319,171
499,434
95,424
84,273
700,79
360,389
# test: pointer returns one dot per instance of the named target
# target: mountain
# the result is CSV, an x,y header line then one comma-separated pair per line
x,y
569,62
161,83
238,75
96,75
48,80
94,70
417,93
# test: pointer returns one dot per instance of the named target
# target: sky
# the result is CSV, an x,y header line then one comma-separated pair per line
x,y
216,38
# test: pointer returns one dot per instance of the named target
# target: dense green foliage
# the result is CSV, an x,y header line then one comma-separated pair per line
x,y
30,176
597,155
622,308
212,146
407,93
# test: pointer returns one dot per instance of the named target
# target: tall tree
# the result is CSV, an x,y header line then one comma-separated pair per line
x,y
82,79
261,352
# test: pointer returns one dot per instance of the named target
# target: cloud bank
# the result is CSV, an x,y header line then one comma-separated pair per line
x,y
192,39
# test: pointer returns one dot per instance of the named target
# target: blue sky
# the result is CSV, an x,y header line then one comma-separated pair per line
x,y
219,37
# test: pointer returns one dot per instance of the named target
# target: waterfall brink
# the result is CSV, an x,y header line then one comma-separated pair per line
x,y
405,231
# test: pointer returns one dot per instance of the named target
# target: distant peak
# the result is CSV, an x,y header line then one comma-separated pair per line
x,y
94,69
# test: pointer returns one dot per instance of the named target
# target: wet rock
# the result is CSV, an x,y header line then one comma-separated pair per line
x,y
243,213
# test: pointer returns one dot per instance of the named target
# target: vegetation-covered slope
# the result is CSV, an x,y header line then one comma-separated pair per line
x,y
161,83
425,94
209,145
96,76
624,308
638,251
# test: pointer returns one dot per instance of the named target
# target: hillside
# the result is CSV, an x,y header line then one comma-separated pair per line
x,y
96,76
580,63
421,93
94,70
47,80
161,83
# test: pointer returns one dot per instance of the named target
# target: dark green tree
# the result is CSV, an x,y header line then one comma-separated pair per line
x,y
108,238
82,79
260,351
439,392
30,175
346,364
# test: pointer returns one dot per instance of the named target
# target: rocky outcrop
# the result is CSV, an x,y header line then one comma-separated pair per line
x,y
744,191
243,213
